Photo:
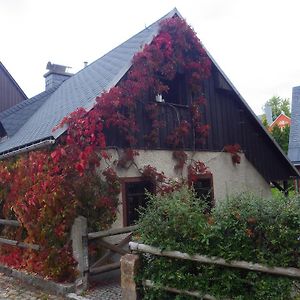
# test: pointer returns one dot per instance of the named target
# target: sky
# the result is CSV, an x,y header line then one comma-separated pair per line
x,y
255,42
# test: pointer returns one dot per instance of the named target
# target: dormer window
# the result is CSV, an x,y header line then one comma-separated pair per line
x,y
177,93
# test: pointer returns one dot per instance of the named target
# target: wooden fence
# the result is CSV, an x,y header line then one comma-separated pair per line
x,y
101,265
80,243
15,243
142,248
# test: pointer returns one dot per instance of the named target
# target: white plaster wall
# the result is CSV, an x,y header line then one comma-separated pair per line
x,y
228,179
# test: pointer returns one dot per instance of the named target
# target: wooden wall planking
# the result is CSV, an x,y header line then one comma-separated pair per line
x,y
10,92
230,122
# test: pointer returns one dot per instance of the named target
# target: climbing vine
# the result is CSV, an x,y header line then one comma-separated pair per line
x,y
234,150
45,190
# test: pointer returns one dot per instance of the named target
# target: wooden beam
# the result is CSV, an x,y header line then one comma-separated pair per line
x,y
112,247
285,188
19,244
151,284
106,268
109,253
278,186
110,232
290,272
9,222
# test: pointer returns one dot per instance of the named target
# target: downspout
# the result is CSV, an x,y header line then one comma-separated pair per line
x,y
28,148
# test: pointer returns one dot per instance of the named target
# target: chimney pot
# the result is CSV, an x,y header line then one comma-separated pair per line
x,y
56,75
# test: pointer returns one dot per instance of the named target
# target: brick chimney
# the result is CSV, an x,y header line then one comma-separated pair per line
x,y
56,75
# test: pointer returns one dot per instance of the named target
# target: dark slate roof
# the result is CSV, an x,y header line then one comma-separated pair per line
x,y
15,117
31,123
294,141
80,90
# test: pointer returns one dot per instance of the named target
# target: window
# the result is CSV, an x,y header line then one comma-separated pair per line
x,y
134,197
177,93
204,190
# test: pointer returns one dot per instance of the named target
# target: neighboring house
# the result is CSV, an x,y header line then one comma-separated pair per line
x,y
281,121
294,140
230,119
10,92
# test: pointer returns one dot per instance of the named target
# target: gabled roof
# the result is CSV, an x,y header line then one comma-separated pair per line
x,y
294,141
15,117
42,113
281,116
80,90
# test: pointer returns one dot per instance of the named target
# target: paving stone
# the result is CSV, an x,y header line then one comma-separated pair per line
x,y
11,288
110,291
103,291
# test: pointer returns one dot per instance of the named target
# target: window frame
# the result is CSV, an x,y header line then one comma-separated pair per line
x,y
184,95
212,195
125,207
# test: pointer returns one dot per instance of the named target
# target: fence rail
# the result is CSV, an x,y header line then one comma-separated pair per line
x,y
151,284
15,243
111,232
102,265
290,272
142,248
10,222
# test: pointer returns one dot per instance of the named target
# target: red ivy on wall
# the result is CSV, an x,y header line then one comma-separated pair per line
x,y
46,189
234,150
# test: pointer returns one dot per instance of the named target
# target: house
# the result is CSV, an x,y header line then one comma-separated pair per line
x,y
232,126
294,140
10,92
281,121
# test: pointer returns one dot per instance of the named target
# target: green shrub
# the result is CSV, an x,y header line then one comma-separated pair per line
x,y
244,227
256,229
171,221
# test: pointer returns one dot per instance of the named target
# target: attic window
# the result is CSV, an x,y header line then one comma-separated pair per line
x,y
177,93
2,131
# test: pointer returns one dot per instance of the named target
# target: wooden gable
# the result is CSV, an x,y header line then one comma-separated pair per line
x,y
10,92
230,121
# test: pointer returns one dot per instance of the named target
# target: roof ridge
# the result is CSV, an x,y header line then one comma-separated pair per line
x,y
114,65
169,14
89,105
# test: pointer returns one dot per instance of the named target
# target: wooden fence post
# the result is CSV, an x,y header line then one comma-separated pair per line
x,y
129,269
79,236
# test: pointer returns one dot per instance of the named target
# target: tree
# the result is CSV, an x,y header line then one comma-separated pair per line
x,y
279,105
281,136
